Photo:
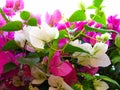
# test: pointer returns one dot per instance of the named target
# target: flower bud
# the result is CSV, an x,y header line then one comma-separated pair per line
x,y
105,37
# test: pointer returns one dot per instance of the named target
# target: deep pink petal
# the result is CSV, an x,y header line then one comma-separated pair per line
x,y
58,67
2,21
91,70
62,42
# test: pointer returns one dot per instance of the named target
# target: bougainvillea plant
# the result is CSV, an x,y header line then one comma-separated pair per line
x,y
59,53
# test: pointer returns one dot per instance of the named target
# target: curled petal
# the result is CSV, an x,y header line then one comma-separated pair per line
x,y
100,85
101,60
99,48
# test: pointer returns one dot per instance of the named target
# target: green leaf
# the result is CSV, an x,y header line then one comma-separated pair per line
x,y
87,85
114,53
105,78
77,86
88,28
25,15
99,18
117,41
10,45
78,15
12,26
63,34
82,6
70,48
116,59
91,7
32,22
51,53
9,66
31,59
88,77
97,3
54,44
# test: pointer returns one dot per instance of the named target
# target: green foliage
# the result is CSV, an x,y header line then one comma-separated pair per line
x,y
12,26
88,28
11,45
78,15
88,77
82,6
31,59
54,47
77,86
116,59
25,15
91,7
9,66
87,85
105,78
32,22
97,3
63,34
99,15
70,48
99,18
117,41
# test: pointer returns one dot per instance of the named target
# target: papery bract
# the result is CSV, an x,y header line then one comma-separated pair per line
x,y
19,5
5,37
3,41
97,56
62,42
50,32
114,24
2,21
12,6
53,19
58,82
19,37
97,25
71,78
92,40
5,57
37,36
89,70
9,11
58,67
33,38
100,85
79,25
62,26
62,68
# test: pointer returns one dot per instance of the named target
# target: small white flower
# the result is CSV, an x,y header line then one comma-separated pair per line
x,y
20,38
105,36
76,43
100,85
48,33
58,82
38,36
32,34
96,57
99,48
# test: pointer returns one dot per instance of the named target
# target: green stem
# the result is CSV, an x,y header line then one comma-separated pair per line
x,y
113,31
3,15
78,34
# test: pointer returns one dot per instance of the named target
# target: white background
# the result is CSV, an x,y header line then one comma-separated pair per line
x,y
66,6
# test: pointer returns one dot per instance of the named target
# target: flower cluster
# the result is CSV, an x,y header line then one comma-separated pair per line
x,y
53,53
